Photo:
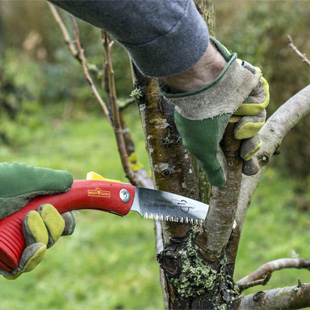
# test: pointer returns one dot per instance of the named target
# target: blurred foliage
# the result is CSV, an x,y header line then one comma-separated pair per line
x,y
258,32
39,43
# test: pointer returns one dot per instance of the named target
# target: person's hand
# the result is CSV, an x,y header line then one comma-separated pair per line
x,y
42,228
201,116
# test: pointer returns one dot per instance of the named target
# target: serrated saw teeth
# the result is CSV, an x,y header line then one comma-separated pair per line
x,y
175,219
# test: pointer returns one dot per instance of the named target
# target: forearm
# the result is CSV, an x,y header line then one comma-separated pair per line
x,y
162,37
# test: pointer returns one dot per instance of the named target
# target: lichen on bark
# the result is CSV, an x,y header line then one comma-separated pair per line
x,y
196,276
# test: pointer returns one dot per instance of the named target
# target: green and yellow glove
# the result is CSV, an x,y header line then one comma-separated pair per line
x,y
42,228
201,116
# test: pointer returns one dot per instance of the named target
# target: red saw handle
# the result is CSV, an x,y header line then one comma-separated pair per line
x,y
84,194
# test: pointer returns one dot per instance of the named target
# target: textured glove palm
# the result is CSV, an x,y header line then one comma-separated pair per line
x,y
202,116
41,228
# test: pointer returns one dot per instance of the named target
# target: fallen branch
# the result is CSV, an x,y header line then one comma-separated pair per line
x,y
297,51
268,268
287,298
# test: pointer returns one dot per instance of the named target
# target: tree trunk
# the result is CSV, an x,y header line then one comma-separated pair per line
x,y
192,278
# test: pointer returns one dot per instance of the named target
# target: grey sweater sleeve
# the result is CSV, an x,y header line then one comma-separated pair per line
x,y
163,37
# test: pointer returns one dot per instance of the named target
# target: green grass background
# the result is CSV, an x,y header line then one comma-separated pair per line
x,y
110,262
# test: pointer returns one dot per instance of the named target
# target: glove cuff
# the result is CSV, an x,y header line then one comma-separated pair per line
x,y
222,96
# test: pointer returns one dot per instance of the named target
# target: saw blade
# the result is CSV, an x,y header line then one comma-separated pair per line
x,y
154,204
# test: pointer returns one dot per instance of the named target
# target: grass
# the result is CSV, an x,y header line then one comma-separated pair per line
x,y
110,262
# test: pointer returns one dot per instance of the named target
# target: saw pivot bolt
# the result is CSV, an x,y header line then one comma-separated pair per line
x,y
124,195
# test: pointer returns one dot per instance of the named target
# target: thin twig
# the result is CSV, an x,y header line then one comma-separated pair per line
x,y
86,72
64,31
278,264
126,104
117,126
75,53
263,281
299,53
141,176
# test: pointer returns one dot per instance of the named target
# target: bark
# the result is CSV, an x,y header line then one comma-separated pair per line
x,y
287,298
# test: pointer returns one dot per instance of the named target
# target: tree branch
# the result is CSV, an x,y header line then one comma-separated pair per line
x,y
117,125
272,134
75,53
86,72
287,298
223,204
263,281
140,175
299,53
269,267
64,31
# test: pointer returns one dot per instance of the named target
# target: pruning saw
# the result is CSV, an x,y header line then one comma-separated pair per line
x,y
99,193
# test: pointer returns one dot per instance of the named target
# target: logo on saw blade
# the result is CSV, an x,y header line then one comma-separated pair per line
x,y
98,192
184,206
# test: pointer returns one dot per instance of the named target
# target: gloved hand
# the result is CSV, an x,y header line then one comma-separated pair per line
x,y
42,228
201,116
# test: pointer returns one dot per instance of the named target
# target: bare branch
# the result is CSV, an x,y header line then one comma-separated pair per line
x,y
117,125
263,281
287,298
224,201
86,72
75,53
299,53
64,31
142,176
269,267
275,129
126,104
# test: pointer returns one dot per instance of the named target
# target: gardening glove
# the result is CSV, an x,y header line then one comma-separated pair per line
x,y
201,116
42,228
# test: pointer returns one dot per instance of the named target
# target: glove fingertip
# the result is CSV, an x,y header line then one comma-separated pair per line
x,y
31,257
70,223
34,229
53,221
250,167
